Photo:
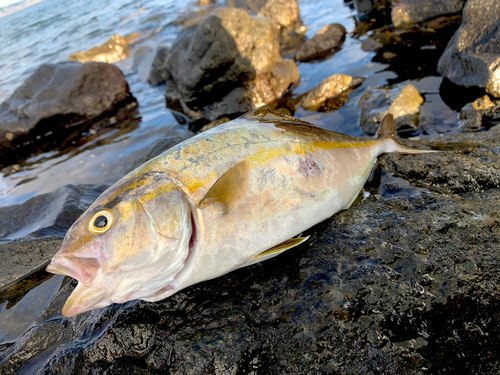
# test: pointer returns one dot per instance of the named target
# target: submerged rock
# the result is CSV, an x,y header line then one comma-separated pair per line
x,y
327,91
403,101
472,58
403,282
414,11
227,65
58,98
324,44
115,49
32,232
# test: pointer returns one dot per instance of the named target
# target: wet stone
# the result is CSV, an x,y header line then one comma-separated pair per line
x,y
57,100
407,12
403,282
403,101
323,45
327,91
115,49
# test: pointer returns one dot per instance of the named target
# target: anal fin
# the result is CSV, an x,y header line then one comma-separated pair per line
x,y
275,250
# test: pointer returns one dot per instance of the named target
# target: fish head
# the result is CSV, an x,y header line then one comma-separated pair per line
x,y
131,243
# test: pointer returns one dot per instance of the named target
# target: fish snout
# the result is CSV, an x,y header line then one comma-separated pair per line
x,y
81,269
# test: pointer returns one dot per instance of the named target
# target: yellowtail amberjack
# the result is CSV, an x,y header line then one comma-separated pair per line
x,y
224,199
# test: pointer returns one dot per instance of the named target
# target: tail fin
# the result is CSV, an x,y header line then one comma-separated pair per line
x,y
387,130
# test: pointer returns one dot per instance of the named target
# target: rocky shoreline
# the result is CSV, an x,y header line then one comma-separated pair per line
x,y
403,282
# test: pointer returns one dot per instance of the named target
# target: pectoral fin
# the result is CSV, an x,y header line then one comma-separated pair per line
x,y
275,250
230,189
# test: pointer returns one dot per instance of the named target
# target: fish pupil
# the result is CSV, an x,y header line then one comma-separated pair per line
x,y
101,222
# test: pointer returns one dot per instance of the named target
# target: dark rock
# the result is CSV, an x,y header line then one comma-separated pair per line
x,y
32,232
406,12
56,100
473,54
402,101
374,10
403,282
225,65
148,62
115,49
320,97
324,44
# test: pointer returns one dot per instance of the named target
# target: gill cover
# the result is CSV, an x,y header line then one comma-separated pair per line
x,y
130,243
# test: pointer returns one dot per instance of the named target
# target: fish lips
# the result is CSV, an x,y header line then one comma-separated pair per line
x,y
82,269
84,298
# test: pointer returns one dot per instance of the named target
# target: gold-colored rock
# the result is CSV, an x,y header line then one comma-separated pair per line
x,y
115,49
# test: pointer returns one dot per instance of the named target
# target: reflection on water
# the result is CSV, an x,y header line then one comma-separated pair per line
x,y
17,317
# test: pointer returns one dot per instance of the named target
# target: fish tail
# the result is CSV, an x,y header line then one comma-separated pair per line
x,y
387,133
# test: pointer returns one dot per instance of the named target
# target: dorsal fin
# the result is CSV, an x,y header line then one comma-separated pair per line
x,y
230,188
387,128
264,114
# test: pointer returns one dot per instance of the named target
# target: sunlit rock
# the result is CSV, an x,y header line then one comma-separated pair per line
x,y
328,89
403,101
479,115
115,49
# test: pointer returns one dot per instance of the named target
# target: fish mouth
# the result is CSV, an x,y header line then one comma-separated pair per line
x,y
81,269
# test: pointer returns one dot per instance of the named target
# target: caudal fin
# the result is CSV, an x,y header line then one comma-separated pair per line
x,y
387,130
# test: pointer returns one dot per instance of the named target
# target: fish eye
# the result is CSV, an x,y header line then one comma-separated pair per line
x,y
100,222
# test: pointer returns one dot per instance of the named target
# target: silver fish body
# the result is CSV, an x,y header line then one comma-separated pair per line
x,y
222,200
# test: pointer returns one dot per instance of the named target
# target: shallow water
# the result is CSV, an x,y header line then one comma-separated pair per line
x,y
50,31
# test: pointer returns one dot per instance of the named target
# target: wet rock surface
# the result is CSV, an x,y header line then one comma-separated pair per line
x,y
403,282
407,12
325,96
227,65
403,101
324,44
473,54
115,49
32,232
57,99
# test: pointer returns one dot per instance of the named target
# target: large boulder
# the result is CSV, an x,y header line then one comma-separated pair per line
x,y
403,101
472,57
115,49
57,97
403,282
227,65
324,44
413,11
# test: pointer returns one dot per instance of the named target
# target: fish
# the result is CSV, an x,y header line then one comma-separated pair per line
x,y
227,198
